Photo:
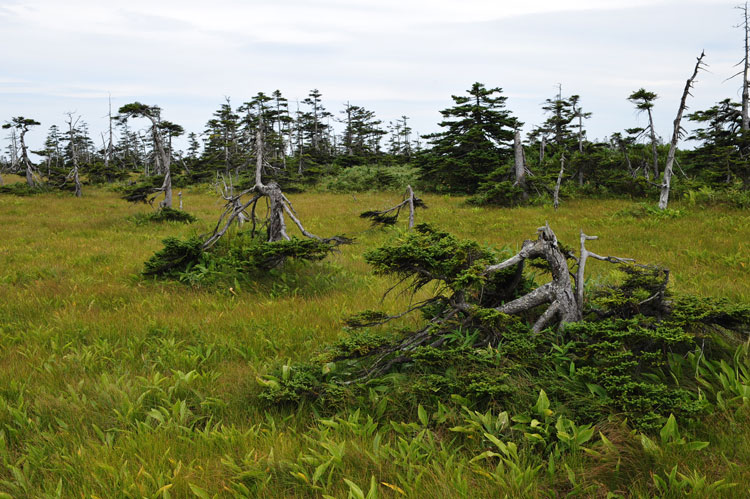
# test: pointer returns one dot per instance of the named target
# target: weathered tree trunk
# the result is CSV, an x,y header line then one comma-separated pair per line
x,y
520,167
654,150
666,183
558,293
390,215
164,159
624,149
74,155
279,206
110,145
556,195
745,66
26,161
542,147
13,150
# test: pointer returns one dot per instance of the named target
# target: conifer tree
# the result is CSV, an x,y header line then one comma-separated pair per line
x,y
477,138
644,101
22,125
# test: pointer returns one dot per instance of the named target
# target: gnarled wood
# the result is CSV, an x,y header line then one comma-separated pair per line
x,y
278,206
667,180
558,293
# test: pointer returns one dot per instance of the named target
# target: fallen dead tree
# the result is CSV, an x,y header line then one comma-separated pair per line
x,y
390,215
494,339
475,293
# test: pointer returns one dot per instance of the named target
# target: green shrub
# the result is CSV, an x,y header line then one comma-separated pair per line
x,y
22,189
371,178
497,194
164,215
630,357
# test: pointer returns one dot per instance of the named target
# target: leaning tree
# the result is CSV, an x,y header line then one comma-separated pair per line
x,y
644,101
389,216
164,155
676,133
22,125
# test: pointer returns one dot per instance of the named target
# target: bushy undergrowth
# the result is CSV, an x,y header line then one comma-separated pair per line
x,y
164,215
634,356
644,210
22,189
234,258
363,178
498,194
707,196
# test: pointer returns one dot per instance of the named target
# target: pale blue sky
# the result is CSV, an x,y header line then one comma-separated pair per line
x,y
394,57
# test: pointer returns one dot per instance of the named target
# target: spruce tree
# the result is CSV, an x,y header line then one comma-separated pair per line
x,y
477,138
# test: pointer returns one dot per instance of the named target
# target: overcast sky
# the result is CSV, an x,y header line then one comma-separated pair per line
x,y
394,57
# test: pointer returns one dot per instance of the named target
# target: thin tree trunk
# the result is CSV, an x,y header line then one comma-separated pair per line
x,y
654,150
745,64
520,167
556,198
26,161
542,147
666,183
165,159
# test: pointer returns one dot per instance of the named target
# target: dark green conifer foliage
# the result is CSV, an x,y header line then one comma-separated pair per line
x,y
635,354
477,136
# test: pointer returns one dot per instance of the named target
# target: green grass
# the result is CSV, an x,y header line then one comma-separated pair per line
x,y
112,385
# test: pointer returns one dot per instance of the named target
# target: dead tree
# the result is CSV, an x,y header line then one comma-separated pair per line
x,y
390,215
163,156
556,195
73,174
667,180
109,148
745,25
22,125
563,296
519,165
236,209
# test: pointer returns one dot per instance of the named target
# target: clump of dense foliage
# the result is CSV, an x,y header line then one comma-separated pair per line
x,y
498,193
634,355
363,178
234,258
164,214
23,190
143,191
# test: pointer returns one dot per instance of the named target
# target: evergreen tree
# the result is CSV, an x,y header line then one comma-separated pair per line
x,y
477,138
644,101
723,154
362,134
221,148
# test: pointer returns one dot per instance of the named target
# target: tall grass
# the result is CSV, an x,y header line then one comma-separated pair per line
x,y
112,385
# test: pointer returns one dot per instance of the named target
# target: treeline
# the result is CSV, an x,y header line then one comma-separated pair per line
x,y
472,154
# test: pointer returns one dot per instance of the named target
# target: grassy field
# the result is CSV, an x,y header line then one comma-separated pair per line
x,y
116,386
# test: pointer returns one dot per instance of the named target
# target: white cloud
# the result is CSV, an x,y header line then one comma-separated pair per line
x,y
396,56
